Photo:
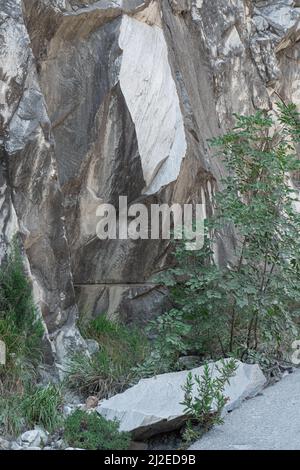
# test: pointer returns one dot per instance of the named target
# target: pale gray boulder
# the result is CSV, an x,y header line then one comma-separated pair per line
x,y
153,405
33,438
4,444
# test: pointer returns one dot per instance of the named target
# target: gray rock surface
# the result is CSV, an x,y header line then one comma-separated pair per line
x,y
153,405
30,194
106,98
33,438
15,446
4,444
270,421
92,346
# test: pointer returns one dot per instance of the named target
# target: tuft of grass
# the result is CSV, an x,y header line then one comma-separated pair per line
x,y
111,369
121,342
43,406
93,432
20,328
12,421
22,403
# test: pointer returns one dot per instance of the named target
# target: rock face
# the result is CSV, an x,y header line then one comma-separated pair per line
x,y
106,98
153,405
30,194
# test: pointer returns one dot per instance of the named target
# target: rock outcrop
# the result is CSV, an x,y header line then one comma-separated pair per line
x,y
153,406
106,98
30,195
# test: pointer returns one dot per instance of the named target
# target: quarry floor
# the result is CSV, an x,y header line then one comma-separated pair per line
x,y
270,421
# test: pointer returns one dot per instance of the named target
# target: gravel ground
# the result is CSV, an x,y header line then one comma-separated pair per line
x,y
270,421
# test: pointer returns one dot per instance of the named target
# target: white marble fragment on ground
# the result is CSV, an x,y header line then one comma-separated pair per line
x,y
153,405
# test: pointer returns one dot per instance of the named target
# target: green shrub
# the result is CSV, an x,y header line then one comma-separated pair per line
x,y
171,332
204,407
20,327
92,431
251,300
43,406
111,369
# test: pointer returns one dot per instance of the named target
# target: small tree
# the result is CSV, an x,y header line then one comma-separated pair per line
x,y
261,282
254,297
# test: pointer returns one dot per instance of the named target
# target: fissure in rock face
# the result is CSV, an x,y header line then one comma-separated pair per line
x,y
100,99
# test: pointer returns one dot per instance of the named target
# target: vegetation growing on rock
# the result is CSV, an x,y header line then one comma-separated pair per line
x,y
244,308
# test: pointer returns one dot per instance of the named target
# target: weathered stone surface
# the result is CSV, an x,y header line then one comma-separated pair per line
x,y
92,346
106,98
152,99
4,444
91,402
153,405
15,446
31,448
67,342
33,439
133,301
30,195
73,448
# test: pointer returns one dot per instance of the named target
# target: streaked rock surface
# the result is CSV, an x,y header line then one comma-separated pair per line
x,y
106,98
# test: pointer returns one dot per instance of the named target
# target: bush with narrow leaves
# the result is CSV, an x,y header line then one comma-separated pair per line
x,y
204,398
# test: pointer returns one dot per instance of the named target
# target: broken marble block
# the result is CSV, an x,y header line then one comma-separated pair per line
x,y
153,405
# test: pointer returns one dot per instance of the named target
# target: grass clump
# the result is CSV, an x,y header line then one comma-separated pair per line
x,y
20,328
93,432
43,406
11,416
110,370
22,403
